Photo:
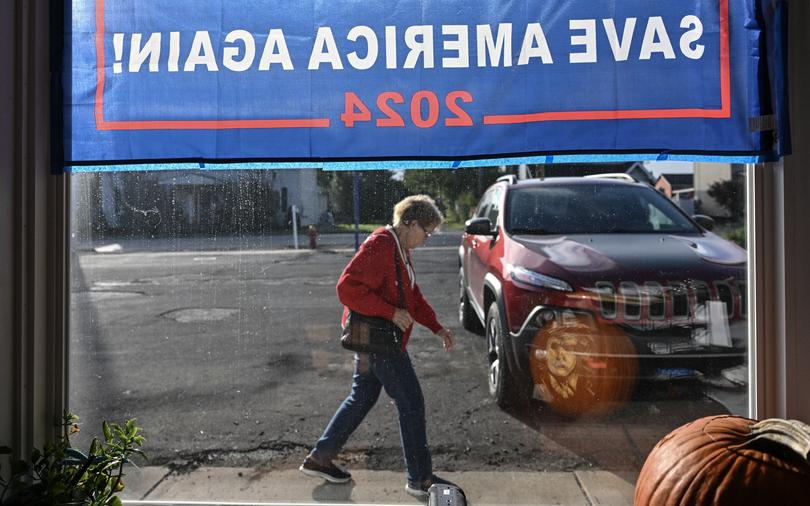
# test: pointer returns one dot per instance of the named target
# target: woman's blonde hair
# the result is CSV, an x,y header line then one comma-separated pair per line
x,y
419,208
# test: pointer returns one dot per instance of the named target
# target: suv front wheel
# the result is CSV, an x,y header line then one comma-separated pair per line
x,y
502,385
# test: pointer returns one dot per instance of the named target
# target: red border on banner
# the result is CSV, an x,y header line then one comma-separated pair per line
x,y
102,124
492,119
723,112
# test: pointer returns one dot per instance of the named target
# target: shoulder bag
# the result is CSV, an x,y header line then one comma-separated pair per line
x,y
373,334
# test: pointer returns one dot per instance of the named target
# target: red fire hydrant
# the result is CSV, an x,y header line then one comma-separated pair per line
x,y
312,232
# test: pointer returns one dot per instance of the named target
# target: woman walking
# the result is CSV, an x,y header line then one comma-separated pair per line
x,y
368,285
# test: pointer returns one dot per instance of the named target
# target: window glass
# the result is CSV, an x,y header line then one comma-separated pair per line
x,y
583,207
494,207
204,304
658,219
483,207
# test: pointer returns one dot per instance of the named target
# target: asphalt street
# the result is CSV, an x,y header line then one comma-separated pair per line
x,y
230,357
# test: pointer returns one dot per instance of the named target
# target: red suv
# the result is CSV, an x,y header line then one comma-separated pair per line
x,y
583,285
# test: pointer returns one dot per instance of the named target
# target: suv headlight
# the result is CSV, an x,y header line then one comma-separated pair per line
x,y
540,280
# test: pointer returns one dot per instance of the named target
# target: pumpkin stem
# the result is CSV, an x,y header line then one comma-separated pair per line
x,y
792,434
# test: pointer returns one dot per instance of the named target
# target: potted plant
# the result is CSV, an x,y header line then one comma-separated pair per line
x,y
62,475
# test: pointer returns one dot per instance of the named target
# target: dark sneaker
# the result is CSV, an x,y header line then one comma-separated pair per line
x,y
420,490
330,472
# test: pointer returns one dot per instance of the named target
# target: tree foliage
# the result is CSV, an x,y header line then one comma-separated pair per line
x,y
378,194
456,191
728,195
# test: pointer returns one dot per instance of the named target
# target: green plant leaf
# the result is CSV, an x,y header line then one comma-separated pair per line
x,y
132,429
109,465
96,447
70,418
76,454
61,474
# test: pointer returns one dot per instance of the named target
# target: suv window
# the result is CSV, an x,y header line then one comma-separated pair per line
x,y
494,208
481,210
593,209
658,219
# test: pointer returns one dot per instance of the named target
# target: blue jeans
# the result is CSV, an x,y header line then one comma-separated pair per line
x,y
396,375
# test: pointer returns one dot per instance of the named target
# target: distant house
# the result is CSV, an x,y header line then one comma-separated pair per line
x,y
640,173
673,179
300,187
672,184
189,202
689,186
707,174
679,181
685,199
663,185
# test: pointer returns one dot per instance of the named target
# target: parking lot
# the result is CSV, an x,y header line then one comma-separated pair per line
x,y
230,357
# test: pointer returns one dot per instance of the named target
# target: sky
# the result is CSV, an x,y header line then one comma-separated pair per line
x,y
668,167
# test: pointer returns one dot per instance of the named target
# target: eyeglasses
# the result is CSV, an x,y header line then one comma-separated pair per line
x,y
427,234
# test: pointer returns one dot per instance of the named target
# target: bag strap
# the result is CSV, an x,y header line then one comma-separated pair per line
x,y
399,281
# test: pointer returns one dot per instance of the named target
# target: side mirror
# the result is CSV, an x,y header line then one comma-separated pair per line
x,y
704,221
479,226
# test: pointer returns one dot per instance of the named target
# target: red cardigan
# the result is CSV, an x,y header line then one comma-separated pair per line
x,y
368,284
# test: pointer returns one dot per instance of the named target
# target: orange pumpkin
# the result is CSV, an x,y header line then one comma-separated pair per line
x,y
580,367
728,460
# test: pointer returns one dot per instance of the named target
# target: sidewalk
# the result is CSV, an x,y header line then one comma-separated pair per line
x,y
218,485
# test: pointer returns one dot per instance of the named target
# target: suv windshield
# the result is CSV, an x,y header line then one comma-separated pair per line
x,y
592,209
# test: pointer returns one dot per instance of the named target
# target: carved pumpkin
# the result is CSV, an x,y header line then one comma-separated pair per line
x,y
580,367
728,460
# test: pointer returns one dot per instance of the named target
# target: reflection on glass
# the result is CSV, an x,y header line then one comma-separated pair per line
x,y
600,315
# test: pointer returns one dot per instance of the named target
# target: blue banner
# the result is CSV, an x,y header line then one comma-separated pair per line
x,y
427,80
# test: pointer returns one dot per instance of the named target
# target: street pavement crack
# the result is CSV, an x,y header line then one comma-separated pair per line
x,y
582,489
157,484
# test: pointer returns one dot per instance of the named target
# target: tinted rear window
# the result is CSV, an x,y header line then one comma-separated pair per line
x,y
593,209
